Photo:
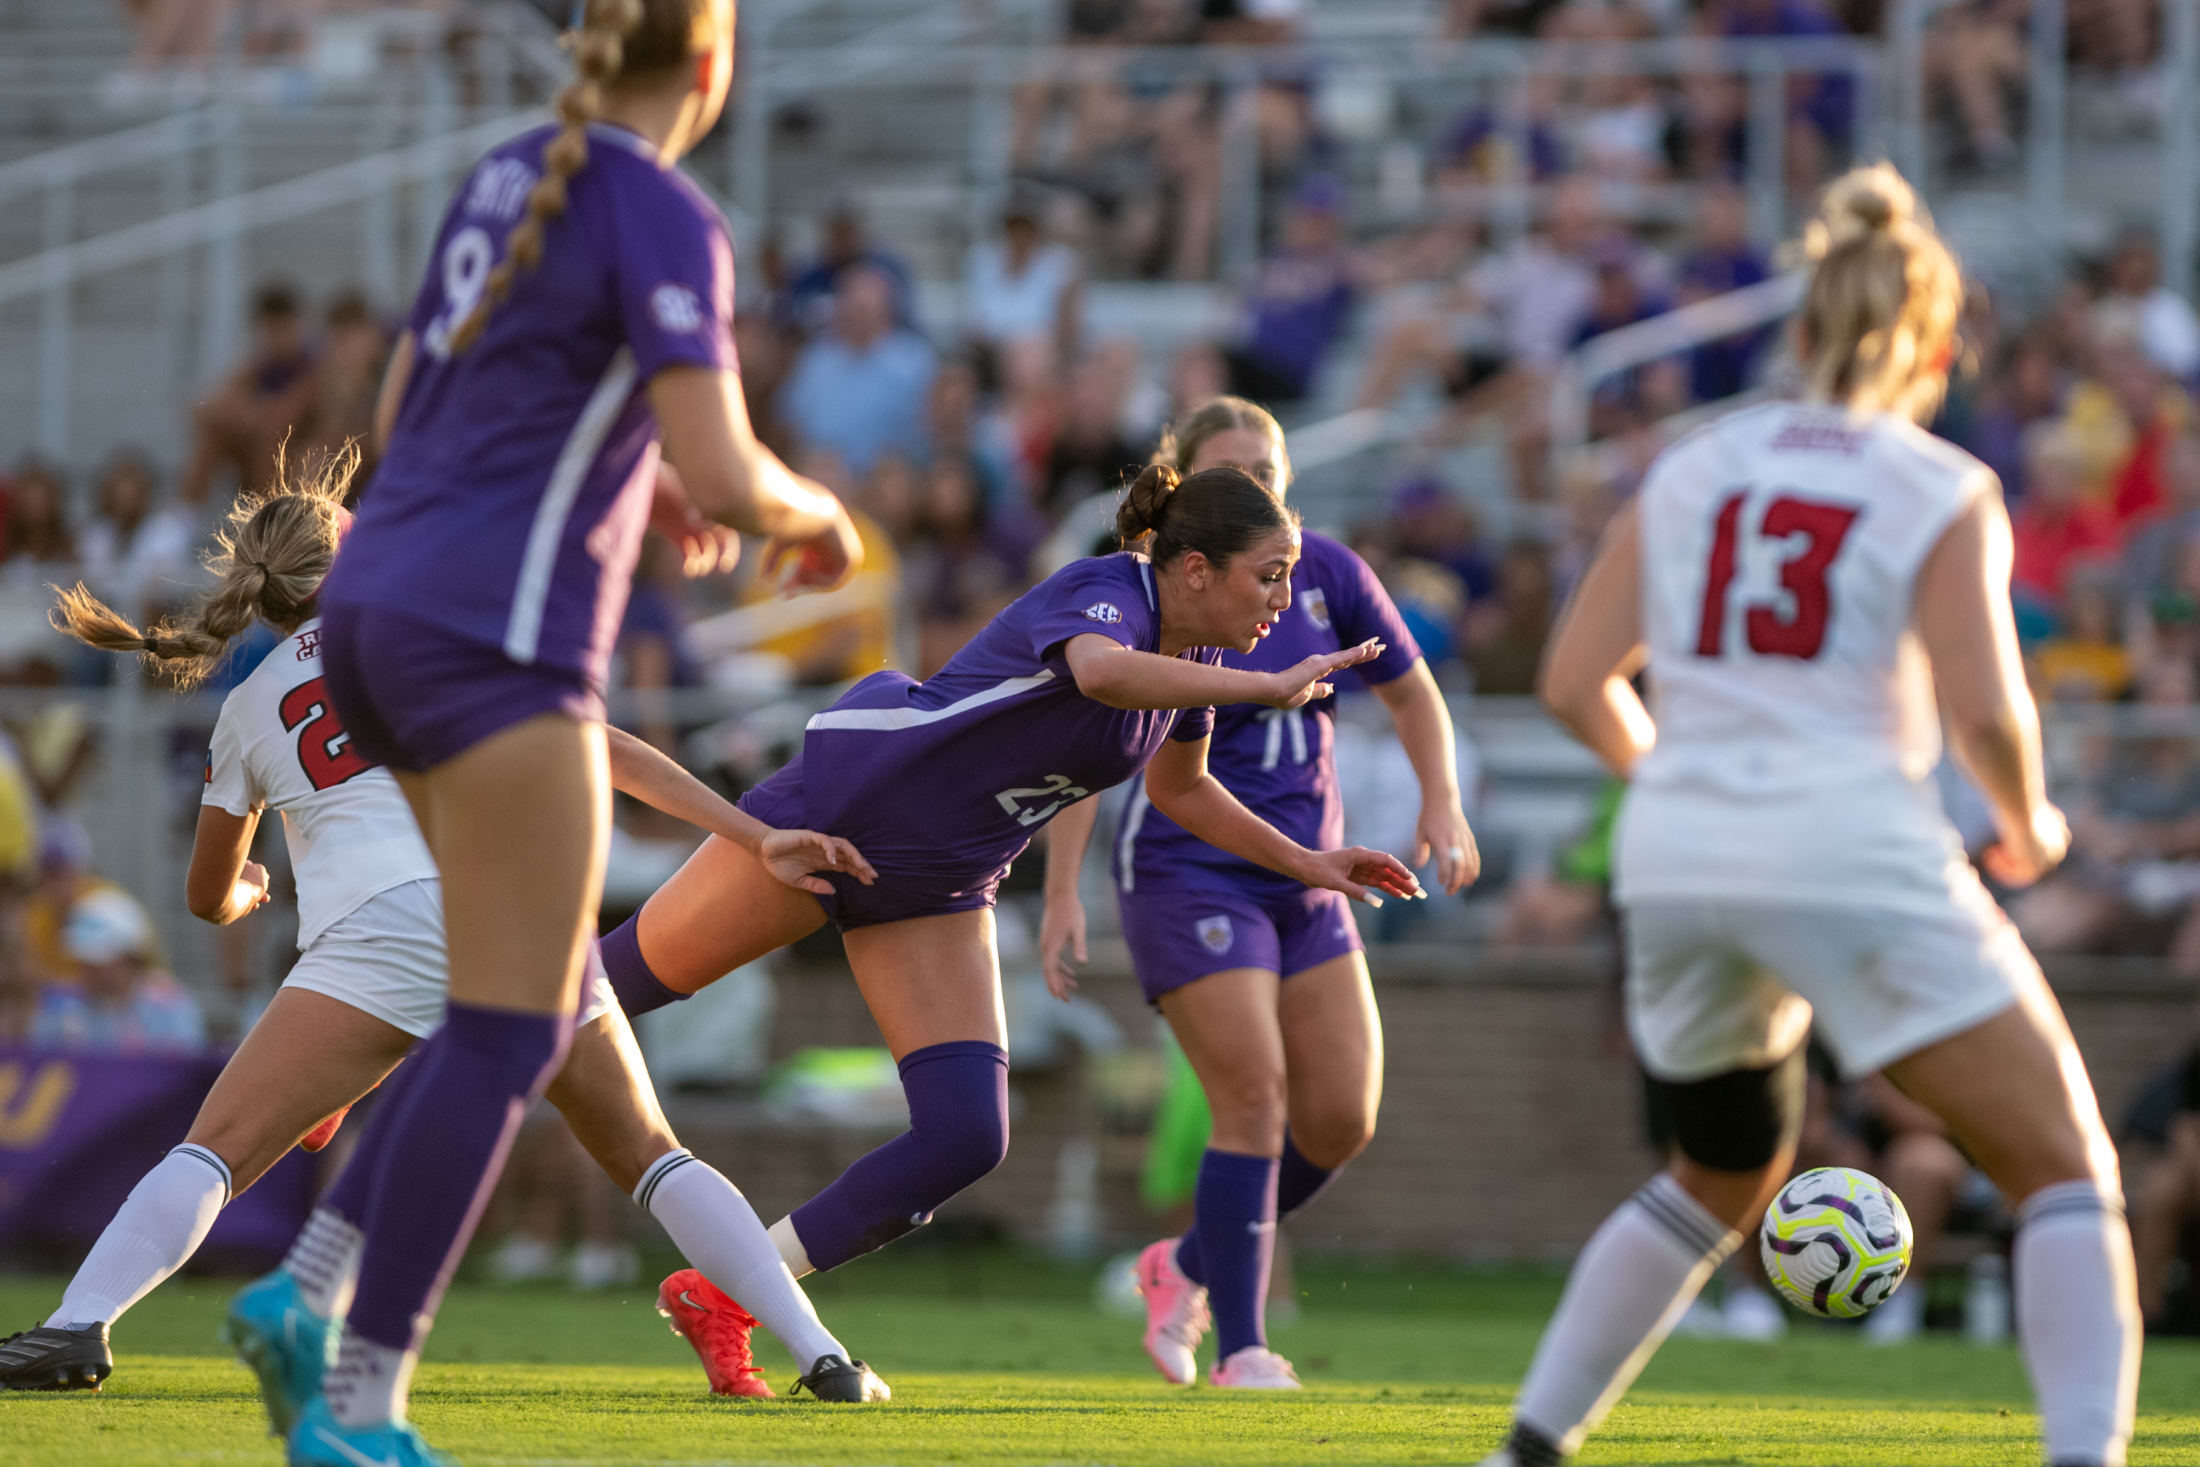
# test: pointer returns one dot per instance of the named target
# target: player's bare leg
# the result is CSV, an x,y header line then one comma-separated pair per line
x,y
719,911
2015,1094
605,1095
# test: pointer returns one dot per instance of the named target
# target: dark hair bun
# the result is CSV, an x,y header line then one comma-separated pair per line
x,y
1217,512
1145,502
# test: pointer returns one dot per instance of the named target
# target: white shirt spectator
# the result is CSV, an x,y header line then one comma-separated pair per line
x,y
1540,297
1009,305
153,568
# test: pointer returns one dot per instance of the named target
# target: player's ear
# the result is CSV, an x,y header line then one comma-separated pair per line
x,y
1196,570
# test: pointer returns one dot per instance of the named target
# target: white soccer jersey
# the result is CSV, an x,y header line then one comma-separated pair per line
x,y
279,745
1796,722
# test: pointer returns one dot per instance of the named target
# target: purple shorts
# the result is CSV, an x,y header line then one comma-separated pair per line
x,y
412,693
896,896
1178,936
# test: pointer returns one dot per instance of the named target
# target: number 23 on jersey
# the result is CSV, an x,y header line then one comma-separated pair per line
x,y
1806,536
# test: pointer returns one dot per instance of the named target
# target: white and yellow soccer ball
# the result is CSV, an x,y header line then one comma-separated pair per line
x,y
1836,1241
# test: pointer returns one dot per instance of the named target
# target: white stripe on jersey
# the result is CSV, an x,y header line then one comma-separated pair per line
x,y
523,633
887,719
1145,574
1134,820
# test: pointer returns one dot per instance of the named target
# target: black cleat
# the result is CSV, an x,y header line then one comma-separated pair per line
x,y
56,1359
848,1381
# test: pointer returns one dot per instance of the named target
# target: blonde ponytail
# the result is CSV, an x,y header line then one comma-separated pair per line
x,y
1878,325
270,559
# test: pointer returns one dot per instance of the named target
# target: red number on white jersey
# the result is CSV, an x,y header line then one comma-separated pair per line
x,y
1797,631
324,749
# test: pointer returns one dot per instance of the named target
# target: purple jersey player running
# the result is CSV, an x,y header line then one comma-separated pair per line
x,y
578,306
1102,670
1262,979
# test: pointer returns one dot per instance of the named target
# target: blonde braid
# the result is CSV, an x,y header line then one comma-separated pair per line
x,y
599,51
270,558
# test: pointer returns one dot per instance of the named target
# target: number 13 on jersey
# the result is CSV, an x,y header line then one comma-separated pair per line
x,y
1791,623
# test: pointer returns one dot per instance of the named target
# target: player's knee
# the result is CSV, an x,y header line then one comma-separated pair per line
x,y
958,1107
1331,1137
1741,1121
1249,1106
965,1145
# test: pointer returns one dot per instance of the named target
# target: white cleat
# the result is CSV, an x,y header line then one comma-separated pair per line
x,y
1176,1313
1256,1368
1753,1314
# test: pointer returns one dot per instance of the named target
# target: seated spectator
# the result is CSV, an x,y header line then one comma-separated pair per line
x,y
1978,51
245,419
1721,258
1620,137
1505,637
2154,410
2155,552
2027,387
1621,300
136,556
1821,109
41,545
2056,525
120,1003
355,350
1296,304
862,388
1022,288
2085,661
959,575
1483,148
2138,307
1090,454
811,292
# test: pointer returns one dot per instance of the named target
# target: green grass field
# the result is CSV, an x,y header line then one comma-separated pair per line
x,y
999,1358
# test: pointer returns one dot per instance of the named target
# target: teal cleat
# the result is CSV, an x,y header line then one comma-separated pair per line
x,y
286,1344
322,1441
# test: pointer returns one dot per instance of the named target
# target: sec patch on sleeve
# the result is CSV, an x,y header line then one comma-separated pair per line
x,y
1104,611
675,307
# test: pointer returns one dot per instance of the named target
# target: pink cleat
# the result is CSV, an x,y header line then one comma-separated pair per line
x,y
1176,1313
1256,1368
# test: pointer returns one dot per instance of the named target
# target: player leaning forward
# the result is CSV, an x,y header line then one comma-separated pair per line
x,y
1800,577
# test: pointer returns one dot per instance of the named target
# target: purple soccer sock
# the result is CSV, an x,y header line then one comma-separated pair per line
x,y
440,1158
1298,1182
958,1131
353,1190
637,987
1235,1208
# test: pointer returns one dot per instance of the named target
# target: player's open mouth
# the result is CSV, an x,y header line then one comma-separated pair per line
x,y
1260,629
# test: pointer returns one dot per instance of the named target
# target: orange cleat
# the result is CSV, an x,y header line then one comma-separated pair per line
x,y
718,1328
325,1132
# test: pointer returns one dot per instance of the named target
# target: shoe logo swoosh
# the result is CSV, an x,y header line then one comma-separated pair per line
x,y
351,1453
687,1297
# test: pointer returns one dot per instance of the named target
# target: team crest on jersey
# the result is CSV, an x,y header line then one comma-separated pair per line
x,y
676,307
1317,606
1105,611
1216,934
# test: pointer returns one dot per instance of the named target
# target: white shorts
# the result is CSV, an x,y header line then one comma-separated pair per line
x,y
1719,984
386,958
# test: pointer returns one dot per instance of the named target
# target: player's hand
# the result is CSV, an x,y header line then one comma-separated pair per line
x,y
820,563
2024,855
796,856
1361,874
706,547
250,891
1445,834
1300,685
1062,925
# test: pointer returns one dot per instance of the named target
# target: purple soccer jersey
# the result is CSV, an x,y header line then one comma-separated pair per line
x,y
950,778
511,503
1281,763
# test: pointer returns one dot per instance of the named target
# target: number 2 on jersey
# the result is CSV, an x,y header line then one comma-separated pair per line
x,y
324,749
1800,630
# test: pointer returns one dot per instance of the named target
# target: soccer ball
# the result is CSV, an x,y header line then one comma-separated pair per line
x,y
1836,1242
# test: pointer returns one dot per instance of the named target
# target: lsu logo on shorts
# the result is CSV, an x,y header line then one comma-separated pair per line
x,y
1216,934
1104,611
1317,606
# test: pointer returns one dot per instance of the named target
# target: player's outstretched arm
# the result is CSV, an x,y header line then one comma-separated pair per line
x,y
736,480
1063,922
1423,723
224,882
1970,636
793,856
1180,787
1597,648
1123,677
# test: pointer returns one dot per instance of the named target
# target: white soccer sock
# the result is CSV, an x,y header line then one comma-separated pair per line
x,y
158,1227
2078,1317
1629,1286
369,1383
325,1262
791,1251
714,1227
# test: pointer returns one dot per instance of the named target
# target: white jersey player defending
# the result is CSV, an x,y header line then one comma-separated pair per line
x,y
372,979
1798,579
